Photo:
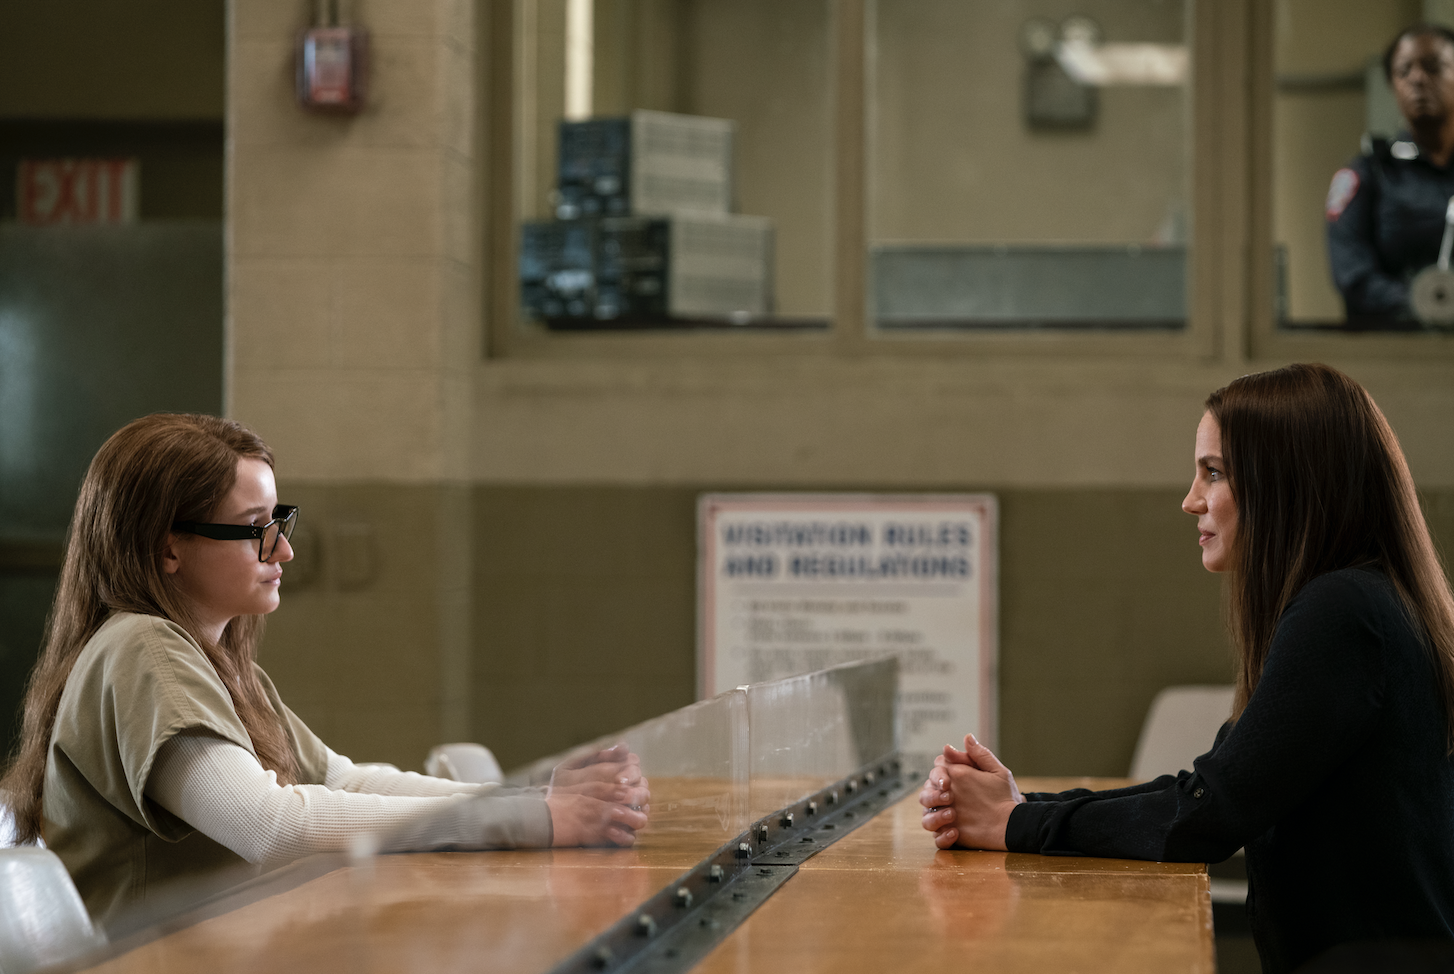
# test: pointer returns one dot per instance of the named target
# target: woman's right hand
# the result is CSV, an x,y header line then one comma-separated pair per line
x,y
613,774
577,819
968,798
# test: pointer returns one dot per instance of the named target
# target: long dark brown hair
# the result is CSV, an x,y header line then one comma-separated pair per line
x,y
1321,484
153,471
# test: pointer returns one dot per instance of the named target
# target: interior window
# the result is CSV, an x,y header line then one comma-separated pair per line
x,y
674,164
1029,165
1361,195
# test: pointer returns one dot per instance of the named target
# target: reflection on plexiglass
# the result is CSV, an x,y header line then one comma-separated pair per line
x,y
695,762
718,765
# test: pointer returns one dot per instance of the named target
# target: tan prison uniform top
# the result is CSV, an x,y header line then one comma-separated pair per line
x,y
138,682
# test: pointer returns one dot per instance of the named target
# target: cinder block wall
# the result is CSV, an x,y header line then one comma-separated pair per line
x,y
353,332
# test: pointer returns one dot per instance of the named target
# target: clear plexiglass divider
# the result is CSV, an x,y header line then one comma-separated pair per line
x,y
695,761
818,756
807,732
716,766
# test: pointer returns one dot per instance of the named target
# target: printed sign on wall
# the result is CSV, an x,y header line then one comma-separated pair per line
x,y
62,192
790,583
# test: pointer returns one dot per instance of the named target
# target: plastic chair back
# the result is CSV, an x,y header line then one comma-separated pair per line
x,y
1180,726
473,763
42,918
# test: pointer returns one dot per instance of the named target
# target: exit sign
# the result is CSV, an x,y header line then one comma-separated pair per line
x,y
71,192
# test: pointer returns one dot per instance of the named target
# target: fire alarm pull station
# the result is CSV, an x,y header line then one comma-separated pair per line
x,y
332,63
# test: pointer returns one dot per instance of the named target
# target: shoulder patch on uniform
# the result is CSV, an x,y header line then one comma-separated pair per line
x,y
1341,192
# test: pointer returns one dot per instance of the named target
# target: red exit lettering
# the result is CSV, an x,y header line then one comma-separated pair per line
x,y
69,192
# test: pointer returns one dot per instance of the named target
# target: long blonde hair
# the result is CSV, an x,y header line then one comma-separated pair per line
x,y
153,471
1321,484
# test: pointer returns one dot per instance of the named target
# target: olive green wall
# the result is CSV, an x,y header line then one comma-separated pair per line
x,y
581,606
585,608
372,642
582,609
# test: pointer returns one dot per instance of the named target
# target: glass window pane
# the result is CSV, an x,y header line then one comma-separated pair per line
x,y
720,764
1029,164
673,166
1359,194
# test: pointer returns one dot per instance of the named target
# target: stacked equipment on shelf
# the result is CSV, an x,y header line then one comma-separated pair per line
x,y
643,231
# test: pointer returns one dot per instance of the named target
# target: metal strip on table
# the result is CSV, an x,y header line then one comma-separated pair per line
x,y
674,929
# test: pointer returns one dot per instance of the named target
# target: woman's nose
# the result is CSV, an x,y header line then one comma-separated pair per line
x,y
1193,502
283,552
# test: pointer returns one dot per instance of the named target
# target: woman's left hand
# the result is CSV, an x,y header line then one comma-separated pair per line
x,y
968,798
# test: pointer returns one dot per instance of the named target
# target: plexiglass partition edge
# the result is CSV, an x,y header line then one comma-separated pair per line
x,y
716,765
805,732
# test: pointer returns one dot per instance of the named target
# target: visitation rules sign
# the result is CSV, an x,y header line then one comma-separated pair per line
x,y
790,583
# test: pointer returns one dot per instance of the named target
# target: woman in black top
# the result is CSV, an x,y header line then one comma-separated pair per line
x,y
1335,770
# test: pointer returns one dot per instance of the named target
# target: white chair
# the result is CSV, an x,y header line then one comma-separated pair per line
x,y
472,763
1181,726
42,919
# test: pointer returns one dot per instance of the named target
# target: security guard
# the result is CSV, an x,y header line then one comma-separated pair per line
x,y
1386,209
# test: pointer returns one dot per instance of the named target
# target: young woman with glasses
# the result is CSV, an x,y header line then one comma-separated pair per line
x,y
155,752
1335,770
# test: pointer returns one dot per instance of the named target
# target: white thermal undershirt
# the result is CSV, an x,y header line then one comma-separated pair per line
x,y
221,790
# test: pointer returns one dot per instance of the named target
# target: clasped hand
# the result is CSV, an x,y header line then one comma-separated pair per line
x,y
600,798
968,798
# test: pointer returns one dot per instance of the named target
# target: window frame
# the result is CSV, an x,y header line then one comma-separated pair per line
x,y
1265,339
1227,176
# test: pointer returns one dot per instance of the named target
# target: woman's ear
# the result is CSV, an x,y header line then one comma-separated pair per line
x,y
171,554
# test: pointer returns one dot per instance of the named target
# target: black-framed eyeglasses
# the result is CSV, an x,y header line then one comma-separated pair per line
x,y
285,516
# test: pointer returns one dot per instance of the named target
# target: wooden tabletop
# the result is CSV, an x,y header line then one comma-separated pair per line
x,y
880,899
511,912
884,899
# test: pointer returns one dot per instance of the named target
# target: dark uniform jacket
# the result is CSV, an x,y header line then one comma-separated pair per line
x,y
1335,779
1385,222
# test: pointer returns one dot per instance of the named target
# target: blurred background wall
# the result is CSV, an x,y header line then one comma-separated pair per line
x,y
501,547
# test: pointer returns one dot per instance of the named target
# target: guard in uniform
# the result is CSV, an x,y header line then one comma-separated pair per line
x,y
1386,209
1385,223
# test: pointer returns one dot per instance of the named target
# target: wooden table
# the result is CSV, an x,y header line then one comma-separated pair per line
x,y
884,899
880,899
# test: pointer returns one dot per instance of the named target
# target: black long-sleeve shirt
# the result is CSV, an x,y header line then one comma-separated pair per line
x,y
1335,779
1385,223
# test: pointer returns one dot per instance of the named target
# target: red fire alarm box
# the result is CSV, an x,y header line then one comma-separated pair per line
x,y
333,68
